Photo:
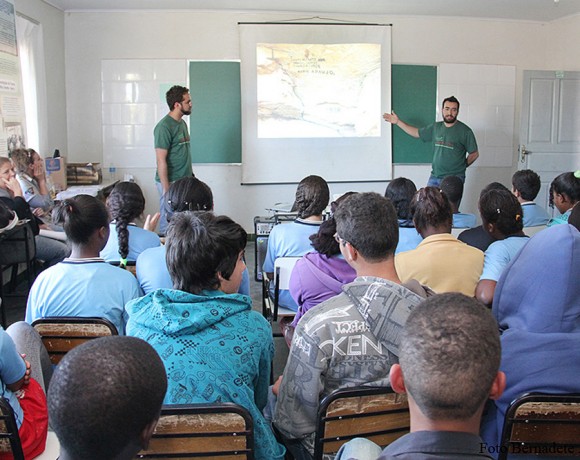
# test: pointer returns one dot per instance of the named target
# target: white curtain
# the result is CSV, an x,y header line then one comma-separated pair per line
x,y
31,51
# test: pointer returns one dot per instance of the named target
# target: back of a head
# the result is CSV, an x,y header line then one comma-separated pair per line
x,y
431,208
200,245
188,194
400,191
125,203
452,186
493,186
368,221
527,182
80,217
312,196
567,184
21,159
450,355
98,415
502,208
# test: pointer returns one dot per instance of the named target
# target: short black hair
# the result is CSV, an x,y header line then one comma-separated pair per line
x,y
492,186
103,394
527,182
188,194
450,354
502,208
368,221
175,95
80,217
566,184
312,196
199,246
400,191
430,207
125,203
452,186
450,99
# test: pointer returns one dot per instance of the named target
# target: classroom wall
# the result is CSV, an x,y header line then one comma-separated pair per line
x,y
205,35
52,21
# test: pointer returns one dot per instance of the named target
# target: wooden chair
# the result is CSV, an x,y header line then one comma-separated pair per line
x,y
61,334
540,422
202,431
378,414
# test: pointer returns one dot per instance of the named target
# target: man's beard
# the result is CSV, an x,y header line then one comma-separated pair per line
x,y
449,119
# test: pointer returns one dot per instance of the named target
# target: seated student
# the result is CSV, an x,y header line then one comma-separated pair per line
x,y
502,219
48,250
22,353
31,176
574,218
447,382
293,239
441,261
525,186
564,195
125,204
353,338
400,191
537,306
452,186
320,274
108,418
213,345
477,236
83,285
185,194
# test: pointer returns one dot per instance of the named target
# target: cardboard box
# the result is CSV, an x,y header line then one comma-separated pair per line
x,y
84,174
56,171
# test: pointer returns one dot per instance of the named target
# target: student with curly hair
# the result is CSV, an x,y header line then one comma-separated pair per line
x,y
503,219
564,195
400,191
126,241
441,261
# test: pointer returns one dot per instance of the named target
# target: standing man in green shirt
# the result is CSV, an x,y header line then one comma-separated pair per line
x,y
172,146
454,145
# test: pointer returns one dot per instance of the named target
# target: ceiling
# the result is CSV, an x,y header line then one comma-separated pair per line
x,y
530,10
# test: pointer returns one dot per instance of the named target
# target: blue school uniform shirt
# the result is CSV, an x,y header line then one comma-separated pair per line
x,y
499,254
12,369
83,288
464,220
409,238
534,215
139,240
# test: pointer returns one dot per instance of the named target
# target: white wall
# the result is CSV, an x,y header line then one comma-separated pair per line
x,y
93,36
52,21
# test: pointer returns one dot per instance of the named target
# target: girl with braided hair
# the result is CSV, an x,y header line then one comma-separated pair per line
x,y
126,241
503,219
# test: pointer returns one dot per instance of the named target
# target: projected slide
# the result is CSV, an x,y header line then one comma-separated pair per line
x,y
318,90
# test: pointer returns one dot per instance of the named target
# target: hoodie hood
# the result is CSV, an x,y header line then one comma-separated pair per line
x,y
539,290
177,312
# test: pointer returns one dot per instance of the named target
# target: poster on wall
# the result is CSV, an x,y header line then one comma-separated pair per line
x,y
12,119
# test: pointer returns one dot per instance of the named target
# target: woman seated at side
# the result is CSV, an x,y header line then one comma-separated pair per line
x,y
31,176
126,240
83,285
213,345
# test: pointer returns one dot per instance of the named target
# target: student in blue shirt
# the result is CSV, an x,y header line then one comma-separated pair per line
x,y
564,195
526,186
400,191
452,186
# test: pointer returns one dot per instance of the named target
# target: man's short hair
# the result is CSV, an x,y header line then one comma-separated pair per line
x,y
450,355
312,197
528,183
452,186
450,99
175,95
368,221
103,394
199,246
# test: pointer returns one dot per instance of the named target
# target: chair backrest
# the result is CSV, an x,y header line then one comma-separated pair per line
x,y
378,414
202,431
9,438
61,334
283,267
531,231
17,245
538,422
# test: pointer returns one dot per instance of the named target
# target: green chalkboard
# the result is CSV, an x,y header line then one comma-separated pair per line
x,y
414,100
215,123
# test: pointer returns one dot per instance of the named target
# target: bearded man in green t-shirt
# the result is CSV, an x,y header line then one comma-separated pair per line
x,y
172,146
454,145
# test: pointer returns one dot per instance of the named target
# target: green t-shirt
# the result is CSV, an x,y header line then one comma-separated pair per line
x,y
450,147
173,136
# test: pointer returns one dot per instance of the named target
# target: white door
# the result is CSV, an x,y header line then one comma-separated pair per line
x,y
550,126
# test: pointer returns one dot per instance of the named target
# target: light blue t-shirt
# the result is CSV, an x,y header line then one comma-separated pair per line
x,y
409,239
498,255
464,220
139,240
289,240
534,215
12,369
152,272
83,288
561,219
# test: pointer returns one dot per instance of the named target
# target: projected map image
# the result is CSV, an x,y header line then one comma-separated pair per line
x,y
307,90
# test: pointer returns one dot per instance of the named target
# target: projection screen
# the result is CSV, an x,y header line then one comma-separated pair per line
x,y
313,96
